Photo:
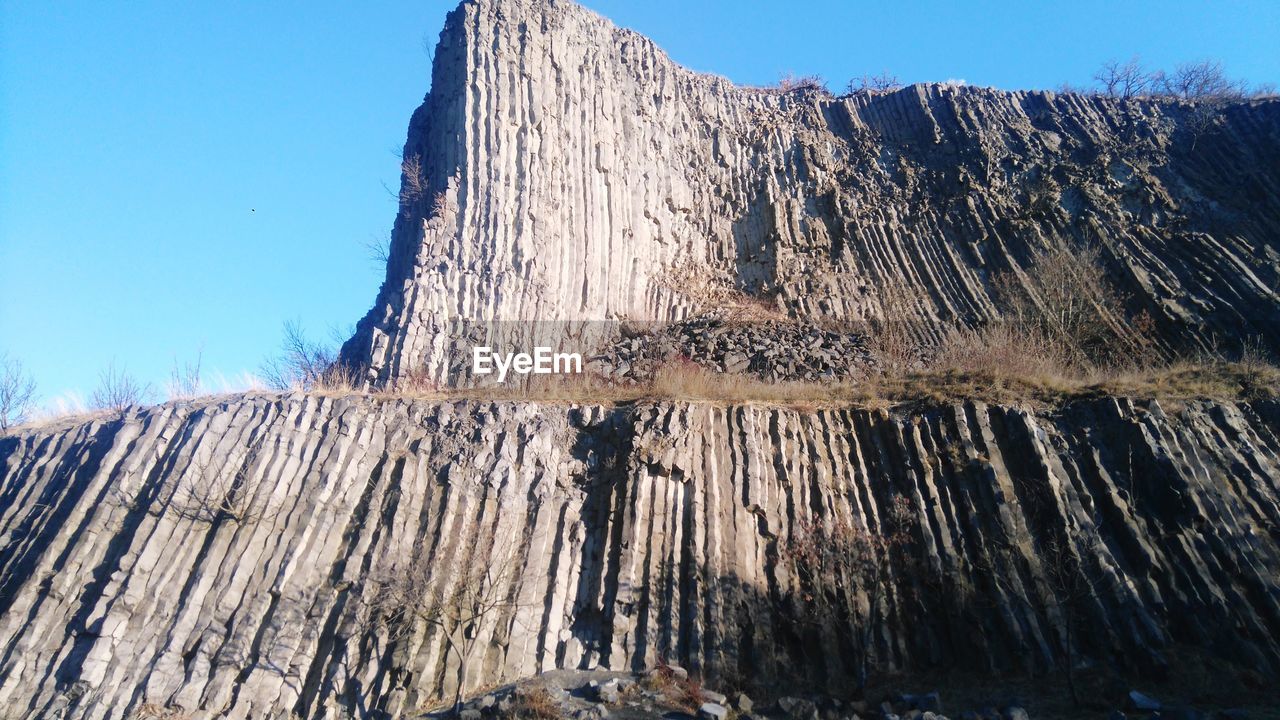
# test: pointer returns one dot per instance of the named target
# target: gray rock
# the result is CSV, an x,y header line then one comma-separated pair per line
x,y
743,703
1014,712
713,696
712,711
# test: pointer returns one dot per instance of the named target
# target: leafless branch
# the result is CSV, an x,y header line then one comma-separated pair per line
x,y
117,390
17,392
184,379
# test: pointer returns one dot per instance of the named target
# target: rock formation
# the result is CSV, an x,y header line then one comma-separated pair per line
x,y
639,533
563,169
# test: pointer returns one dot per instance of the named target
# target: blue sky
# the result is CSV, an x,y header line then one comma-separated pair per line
x,y
178,178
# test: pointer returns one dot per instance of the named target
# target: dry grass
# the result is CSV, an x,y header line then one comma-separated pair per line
x,y
155,711
683,694
534,703
1000,376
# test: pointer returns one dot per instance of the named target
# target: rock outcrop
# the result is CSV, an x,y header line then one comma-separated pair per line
x,y
219,556
562,169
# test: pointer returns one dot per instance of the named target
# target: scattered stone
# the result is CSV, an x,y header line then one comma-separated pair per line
x,y
713,711
487,702
470,714
713,696
1014,712
609,692
743,703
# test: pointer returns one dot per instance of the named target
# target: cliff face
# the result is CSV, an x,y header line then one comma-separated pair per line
x,y
569,170
638,533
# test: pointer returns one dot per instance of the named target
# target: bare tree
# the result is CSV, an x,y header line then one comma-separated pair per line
x,y
1123,79
184,379
837,560
379,249
302,364
454,595
117,390
883,82
1065,298
791,81
1205,83
17,392
215,494
413,181
1201,80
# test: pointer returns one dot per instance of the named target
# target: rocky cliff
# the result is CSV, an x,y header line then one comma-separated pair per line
x,y
563,169
218,557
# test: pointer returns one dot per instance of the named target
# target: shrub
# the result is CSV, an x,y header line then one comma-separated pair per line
x,y
1065,301
884,82
534,704
1123,79
791,82
17,392
306,365
1000,349
838,559
117,390
184,379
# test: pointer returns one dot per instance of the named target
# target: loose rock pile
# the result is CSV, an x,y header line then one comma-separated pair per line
x,y
667,692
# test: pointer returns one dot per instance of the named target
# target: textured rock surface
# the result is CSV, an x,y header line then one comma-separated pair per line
x,y
769,351
641,533
571,171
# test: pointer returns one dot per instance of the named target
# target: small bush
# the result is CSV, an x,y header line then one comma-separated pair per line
x,y
884,82
184,379
1001,349
1064,300
791,82
117,390
306,365
17,393
534,704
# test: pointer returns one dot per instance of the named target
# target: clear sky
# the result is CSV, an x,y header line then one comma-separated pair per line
x,y
185,176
